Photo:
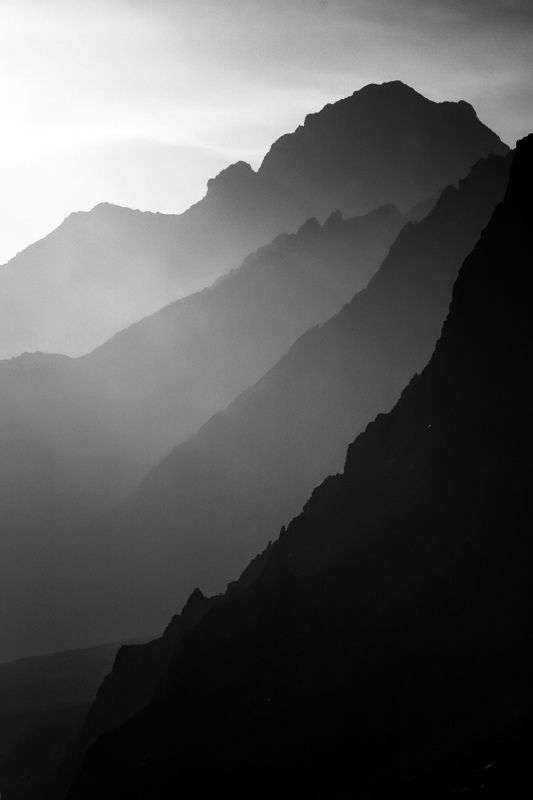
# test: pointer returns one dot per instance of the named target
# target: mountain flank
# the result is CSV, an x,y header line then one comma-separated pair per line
x,y
76,435
387,632
221,495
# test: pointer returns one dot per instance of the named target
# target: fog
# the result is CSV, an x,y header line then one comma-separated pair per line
x,y
76,435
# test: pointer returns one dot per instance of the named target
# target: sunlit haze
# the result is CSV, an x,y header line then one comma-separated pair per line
x,y
139,102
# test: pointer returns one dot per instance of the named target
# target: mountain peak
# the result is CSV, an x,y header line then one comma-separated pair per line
x,y
235,175
196,598
384,143
389,87
105,209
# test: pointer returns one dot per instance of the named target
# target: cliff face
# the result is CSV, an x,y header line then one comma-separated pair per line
x,y
391,621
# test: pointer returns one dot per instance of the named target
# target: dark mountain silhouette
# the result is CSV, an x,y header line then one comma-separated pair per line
x,y
43,703
99,271
75,434
386,136
218,497
126,690
388,629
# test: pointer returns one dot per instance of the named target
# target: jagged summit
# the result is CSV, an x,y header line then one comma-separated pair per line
x,y
385,144
232,176
195,600
108,209
396,86
389,92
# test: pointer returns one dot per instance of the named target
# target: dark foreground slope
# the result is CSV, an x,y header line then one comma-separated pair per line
x,y
222,494
43,702
102,270
390,624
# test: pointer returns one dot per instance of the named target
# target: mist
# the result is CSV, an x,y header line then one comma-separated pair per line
x,y
93,94
264,345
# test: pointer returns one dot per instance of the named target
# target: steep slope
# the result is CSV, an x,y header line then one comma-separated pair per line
x,y
155,382
102,270
127,689
390,624
43,702
220,496
77,433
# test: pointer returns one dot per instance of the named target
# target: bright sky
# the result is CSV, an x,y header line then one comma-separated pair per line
x,y
139,102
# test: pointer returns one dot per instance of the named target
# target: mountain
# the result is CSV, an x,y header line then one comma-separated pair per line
x,y
127,402
102,270
386,140
125,690
387,632
76,434
43,703
221,495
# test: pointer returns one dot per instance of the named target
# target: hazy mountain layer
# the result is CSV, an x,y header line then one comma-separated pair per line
x,y
43,702
104,419
228,489
222,494
76,434
388,629
101,270
104,269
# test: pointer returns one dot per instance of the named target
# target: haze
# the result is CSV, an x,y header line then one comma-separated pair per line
x,y
139,102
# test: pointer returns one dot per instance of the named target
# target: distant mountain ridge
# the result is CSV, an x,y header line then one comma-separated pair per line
x,y
192,357
222,495
76,435
219,496
102,270
388,630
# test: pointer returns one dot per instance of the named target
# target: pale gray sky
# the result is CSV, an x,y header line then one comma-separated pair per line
x,y
139,102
